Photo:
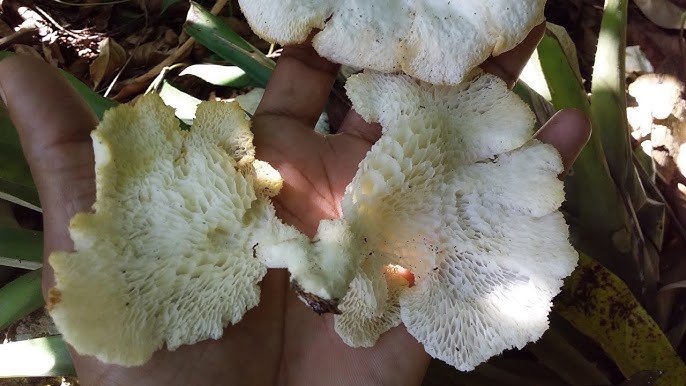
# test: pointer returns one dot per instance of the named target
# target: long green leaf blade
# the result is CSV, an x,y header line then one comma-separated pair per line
x,y
214,34
16,182
97,102
20,248
228,76
15,175
608,100
20,297
539,105
561,356
38,357
8,135
600,223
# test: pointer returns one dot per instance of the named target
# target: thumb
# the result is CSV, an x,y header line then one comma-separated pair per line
x,y
53,123
568,131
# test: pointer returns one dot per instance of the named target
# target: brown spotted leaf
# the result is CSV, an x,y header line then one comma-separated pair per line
x,y
602,307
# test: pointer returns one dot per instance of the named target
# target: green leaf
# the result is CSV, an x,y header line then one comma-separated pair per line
x,y
38,357
183,104
644,378
13,167
537,103
211,32
563,358
228,76
600,223
568,47
20,248
16,183
566,89
6,54
8,134
645,165
608,105
608,99
15,178
20,297
97,102
652,217
166,4
599,304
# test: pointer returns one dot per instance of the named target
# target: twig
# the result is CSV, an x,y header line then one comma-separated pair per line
x,y
7,40
681,36
90,4
116,77
673,286
54,22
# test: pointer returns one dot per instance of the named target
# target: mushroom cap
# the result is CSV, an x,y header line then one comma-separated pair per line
x,y
437,41
458,193
167,255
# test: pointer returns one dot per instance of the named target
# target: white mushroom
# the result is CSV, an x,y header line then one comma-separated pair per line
x,y
183,228
438,41
456,192
182,232
371,306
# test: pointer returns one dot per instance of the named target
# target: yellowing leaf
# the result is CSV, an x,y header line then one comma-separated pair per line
x,y
601,306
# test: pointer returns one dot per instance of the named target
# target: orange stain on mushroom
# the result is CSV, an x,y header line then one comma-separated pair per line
x,y
54,297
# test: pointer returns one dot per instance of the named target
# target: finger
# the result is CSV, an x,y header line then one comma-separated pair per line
x,y
510,64
568,131
355,125
299,88
53,123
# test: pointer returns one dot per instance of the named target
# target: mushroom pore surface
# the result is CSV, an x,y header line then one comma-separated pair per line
x,y
457,192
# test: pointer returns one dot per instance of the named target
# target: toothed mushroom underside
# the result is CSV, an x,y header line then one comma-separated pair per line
x,y
183,229
182,233
457,192
438,41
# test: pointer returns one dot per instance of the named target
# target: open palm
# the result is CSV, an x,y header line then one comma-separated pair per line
x,y
281,341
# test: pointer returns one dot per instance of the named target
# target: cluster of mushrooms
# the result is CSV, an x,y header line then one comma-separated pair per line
x,y
455,191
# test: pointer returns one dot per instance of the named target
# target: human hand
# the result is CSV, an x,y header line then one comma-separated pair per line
x,y
281,341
